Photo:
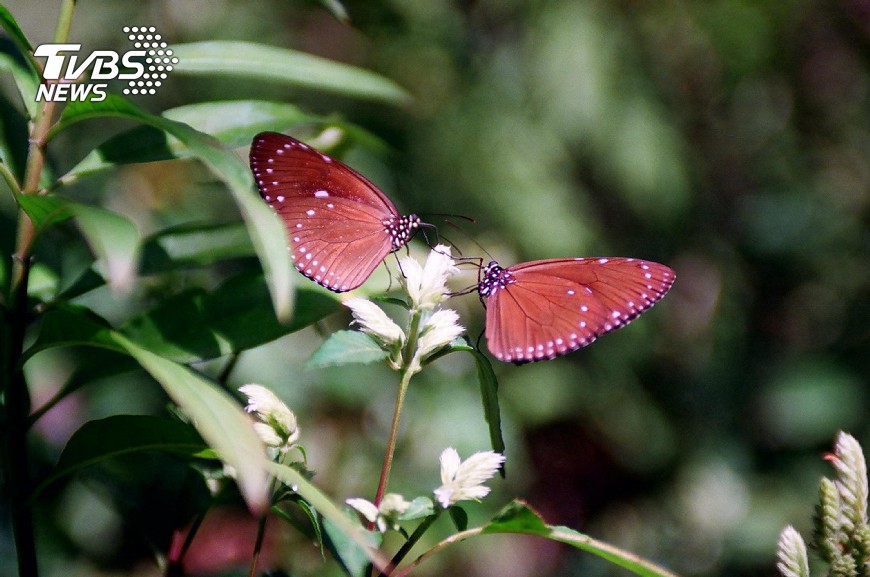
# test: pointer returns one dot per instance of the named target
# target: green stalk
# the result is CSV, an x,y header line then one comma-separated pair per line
x,y
14,387
455,538
407,373
412,540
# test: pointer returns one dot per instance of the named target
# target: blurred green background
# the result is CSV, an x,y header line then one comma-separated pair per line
x,y
728,139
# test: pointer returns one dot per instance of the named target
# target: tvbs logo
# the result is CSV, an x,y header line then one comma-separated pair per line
x,y
144,68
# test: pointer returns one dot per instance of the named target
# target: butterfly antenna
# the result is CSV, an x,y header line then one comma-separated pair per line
x,y
469,237
446,215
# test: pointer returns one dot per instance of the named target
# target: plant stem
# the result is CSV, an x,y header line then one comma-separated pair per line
x,y
14,386
258,546
407,373
412,540
455,538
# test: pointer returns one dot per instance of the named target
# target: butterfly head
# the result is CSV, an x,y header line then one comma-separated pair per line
x,y
401,229
494,277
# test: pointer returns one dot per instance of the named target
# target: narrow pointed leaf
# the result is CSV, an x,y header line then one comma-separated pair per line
x,y
8,22
335,520
44,210
194,245
488,395
518,517
234,122
114,240
197,325
66,324
118,435
337,9
265,229
345,347
281,65
218,417
26,80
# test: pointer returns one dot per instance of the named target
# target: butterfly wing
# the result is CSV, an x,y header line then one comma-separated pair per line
x,y
544,309
339,222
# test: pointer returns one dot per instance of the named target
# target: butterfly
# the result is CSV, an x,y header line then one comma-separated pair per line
x,y
342,226
543,309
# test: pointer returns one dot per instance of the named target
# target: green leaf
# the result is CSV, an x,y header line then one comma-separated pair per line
x,y
353,557
344,347
337,9
42,282
14,145
354,539
44,210
262,62
420,507
313,529
391,300
140,144
193,245
195,325
8,22
66,324
459,517
241,314
488,396
266,230
218,418
92,364
114,240
104,439
518,517
23,69
234,122
25,77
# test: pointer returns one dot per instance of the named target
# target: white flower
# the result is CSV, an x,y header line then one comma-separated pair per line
x,y
427,285
792,554
439,330
268,435
848,460
463,481
274,415
374,321
386,515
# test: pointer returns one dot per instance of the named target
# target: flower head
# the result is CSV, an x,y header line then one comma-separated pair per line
x,y
277,427
463,480
374,321
792,554
438,331
427,285
384,516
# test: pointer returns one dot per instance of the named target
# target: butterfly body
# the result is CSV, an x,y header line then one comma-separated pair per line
x,y
540,310
340,224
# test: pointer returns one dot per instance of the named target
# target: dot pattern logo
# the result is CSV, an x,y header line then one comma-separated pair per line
x,y
158,59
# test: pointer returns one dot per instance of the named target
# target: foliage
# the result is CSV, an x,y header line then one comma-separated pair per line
x,y
726,139
189,341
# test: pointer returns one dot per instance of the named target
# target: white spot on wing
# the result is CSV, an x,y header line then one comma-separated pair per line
x,y
310,212
321,194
